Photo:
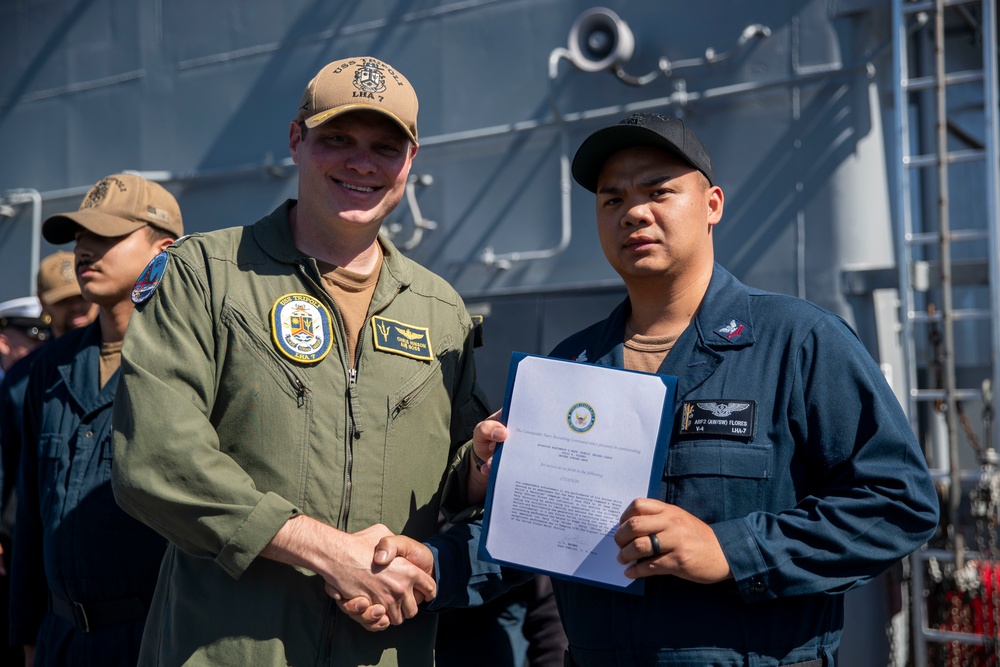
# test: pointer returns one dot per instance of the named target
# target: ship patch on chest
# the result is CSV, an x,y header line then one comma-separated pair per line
x,y
300,327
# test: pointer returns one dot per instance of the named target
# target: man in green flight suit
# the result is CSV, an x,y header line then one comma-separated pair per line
x,y
292,391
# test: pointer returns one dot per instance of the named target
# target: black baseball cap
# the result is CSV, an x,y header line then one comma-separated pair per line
x,y
640,129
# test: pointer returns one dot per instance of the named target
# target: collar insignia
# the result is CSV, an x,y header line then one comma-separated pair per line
x,y
150,278
300,327
734,331
400,338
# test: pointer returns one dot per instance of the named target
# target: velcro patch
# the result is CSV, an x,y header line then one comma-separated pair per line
x,y
401,338
150,278
300,327
718,416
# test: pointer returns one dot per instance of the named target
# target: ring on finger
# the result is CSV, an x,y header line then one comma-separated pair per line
x,y
655,544
476,461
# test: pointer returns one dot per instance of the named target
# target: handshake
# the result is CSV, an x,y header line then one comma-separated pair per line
x,y
378,578
398,577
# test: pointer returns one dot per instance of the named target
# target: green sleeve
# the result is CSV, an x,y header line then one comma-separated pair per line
x,y
169,471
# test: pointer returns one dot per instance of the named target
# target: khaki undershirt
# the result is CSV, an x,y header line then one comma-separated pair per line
x,y
352,292
646,353
111,359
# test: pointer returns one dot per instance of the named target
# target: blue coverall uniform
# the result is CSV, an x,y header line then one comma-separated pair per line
x,y
813,487
84,571
12,388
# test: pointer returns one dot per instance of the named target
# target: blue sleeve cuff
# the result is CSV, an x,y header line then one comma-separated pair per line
x,y
745,561
463,580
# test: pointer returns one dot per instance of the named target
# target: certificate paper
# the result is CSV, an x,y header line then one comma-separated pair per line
x,y
584,441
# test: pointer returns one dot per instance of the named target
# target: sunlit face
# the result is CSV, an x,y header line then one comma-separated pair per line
x,y
107,267
352,169
655,215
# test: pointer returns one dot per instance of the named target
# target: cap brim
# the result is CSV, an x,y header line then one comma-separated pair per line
x,y
323,116
57,294
601,145
63,228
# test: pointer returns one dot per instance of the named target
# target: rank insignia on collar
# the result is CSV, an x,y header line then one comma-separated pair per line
x,y
734,331
150,278
300,326
400,338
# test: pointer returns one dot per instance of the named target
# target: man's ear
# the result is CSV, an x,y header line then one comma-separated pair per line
x,y
294,140
715,202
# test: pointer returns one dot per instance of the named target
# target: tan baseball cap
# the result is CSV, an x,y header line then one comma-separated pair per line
x,y
356,84
117,205
57,278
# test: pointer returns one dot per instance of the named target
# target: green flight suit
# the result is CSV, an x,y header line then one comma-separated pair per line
x,y
221,436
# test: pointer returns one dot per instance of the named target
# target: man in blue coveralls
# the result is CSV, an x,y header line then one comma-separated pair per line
x,y
83,571
792,474
63,309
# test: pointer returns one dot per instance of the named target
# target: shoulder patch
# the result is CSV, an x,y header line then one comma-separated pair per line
x,y
401,338
150,278
300,327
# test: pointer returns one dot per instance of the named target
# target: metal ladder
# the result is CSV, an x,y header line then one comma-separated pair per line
x,y
929,275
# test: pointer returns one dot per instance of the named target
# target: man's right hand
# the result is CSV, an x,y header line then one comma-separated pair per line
x,y
390,550
485,437
345,562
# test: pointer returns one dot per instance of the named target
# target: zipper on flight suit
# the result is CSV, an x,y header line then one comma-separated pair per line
x,y
352,388
300,389
403,402
353,432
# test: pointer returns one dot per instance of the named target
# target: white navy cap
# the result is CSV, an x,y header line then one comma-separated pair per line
x,y
25,313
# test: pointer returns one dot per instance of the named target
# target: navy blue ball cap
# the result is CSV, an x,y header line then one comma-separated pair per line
x,y
640,129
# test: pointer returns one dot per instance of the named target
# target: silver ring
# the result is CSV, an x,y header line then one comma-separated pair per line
x,y
655,542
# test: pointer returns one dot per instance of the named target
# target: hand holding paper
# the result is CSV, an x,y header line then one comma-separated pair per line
x,y
485,437
582,442
688,546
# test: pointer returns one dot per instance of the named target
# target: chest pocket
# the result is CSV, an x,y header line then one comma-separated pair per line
x,y
717,480
249,333
263,399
